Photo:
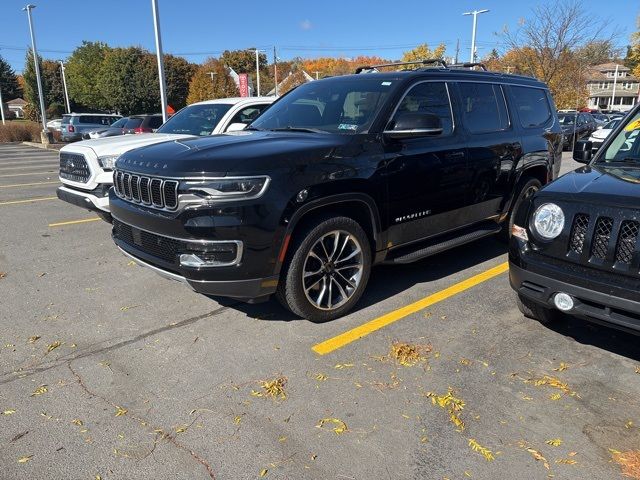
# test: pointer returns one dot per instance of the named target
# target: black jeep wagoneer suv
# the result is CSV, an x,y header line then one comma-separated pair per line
x,y
338,175
575,246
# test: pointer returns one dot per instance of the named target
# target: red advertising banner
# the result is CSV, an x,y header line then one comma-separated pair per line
x,y
244,84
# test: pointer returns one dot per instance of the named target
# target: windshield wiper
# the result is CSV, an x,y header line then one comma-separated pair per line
x,y
254,128
297,129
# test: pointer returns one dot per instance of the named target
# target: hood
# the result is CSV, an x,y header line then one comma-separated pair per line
x,y
613,186
238,153
123,143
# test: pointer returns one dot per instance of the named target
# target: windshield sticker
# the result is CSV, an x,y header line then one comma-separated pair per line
x,y
347,126
635,125
386,84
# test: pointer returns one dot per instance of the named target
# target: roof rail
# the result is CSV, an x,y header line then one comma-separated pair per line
x,y
469,65
374,68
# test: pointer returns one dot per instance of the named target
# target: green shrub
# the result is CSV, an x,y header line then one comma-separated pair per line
x,y
20,132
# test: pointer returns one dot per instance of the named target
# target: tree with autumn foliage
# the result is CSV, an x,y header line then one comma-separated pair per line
x,y
204,87
633,52
422,52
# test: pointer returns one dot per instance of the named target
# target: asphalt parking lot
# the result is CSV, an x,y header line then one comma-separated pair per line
x,y
110,372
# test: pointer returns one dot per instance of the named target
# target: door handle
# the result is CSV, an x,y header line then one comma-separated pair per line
x,y
454,155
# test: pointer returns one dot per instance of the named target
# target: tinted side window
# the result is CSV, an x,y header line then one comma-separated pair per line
x,y
532,105
248,114
431,98
483,107
155,122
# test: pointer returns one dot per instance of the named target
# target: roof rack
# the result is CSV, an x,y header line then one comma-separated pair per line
x,y
469,65
374,68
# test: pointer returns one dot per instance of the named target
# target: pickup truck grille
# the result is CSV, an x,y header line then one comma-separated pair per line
x,y
74,167
605,232
149,191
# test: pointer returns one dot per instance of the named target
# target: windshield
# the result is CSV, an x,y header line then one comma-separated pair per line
x,y
625,147
197,120
567,119
120,123
334,106
611,125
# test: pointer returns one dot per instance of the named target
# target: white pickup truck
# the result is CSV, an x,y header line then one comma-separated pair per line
x,y
86,168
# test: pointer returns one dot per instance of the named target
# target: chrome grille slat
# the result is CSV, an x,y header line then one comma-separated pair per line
x,y
74,167
151,191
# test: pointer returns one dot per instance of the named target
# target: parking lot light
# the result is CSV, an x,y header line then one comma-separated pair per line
x,y
163,83
475,14
43,112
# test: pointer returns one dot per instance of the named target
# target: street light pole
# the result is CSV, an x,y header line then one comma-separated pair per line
x,y
275,69
475,14
163,83
28,9
258,71
1,105
64,84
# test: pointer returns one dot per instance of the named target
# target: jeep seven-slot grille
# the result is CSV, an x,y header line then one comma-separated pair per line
x,y
155,192
578,232
74,167
150,243
601,237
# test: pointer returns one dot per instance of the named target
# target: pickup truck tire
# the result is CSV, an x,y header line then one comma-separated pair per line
x,y
327,269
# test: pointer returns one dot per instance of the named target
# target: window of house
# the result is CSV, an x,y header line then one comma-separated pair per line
x,y
483,107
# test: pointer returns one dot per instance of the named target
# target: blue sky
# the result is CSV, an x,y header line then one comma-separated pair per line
x,y
198,28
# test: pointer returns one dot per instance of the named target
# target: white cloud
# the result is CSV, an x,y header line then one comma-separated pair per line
x,y
306,25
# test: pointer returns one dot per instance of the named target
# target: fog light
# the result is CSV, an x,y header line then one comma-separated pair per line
x,y
216,255
563,301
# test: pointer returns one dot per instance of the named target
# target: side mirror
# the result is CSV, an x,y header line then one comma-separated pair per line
x,y
582,151
415,125
599,127
236,127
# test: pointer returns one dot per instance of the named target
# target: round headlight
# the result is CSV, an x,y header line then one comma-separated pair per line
x,y
548,220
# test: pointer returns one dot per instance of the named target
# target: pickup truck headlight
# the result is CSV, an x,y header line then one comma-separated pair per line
x,y
232,188
108,162
548,221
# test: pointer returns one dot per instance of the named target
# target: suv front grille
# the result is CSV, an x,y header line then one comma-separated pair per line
x,y
156,192
156,245
627,241
601,236
74,167
578,232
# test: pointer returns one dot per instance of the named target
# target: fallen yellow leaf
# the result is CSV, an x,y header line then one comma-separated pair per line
x,y
77,421
128,307
9,412
120,411
563,366
629,462
320,377
555,396
25,459
181,429
341,366
567,461
52,346
40,390
34,339
556,442
485,452
408,354
340,426
274,388
452,404
263,472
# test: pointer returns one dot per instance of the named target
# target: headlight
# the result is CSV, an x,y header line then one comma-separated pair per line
x,y
233,188
108,162
548,221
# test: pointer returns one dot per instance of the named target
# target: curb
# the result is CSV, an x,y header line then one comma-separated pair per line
x,y
55,146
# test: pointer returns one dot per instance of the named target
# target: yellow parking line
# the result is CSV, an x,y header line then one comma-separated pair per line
x,y
73,222
27,184
347,337
27,174
29,200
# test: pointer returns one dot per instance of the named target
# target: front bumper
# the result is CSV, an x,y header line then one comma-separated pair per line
x,y
589,303
93,200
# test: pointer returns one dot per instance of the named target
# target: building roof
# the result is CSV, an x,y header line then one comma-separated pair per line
x,y
610,66
17,101
597,73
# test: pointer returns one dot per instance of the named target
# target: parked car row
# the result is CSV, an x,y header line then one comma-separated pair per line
x,y
345,173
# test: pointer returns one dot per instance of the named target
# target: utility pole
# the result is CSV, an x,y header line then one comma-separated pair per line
x,y
457,50
43,112
211,74
475,14
1,106
161,78
64,84
258,72
275,69
613,94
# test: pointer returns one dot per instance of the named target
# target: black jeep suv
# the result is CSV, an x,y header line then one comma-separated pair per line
x,y
575,247
338,175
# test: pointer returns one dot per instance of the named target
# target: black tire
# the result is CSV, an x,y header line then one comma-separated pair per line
x,y
535,311
291,292
526,187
